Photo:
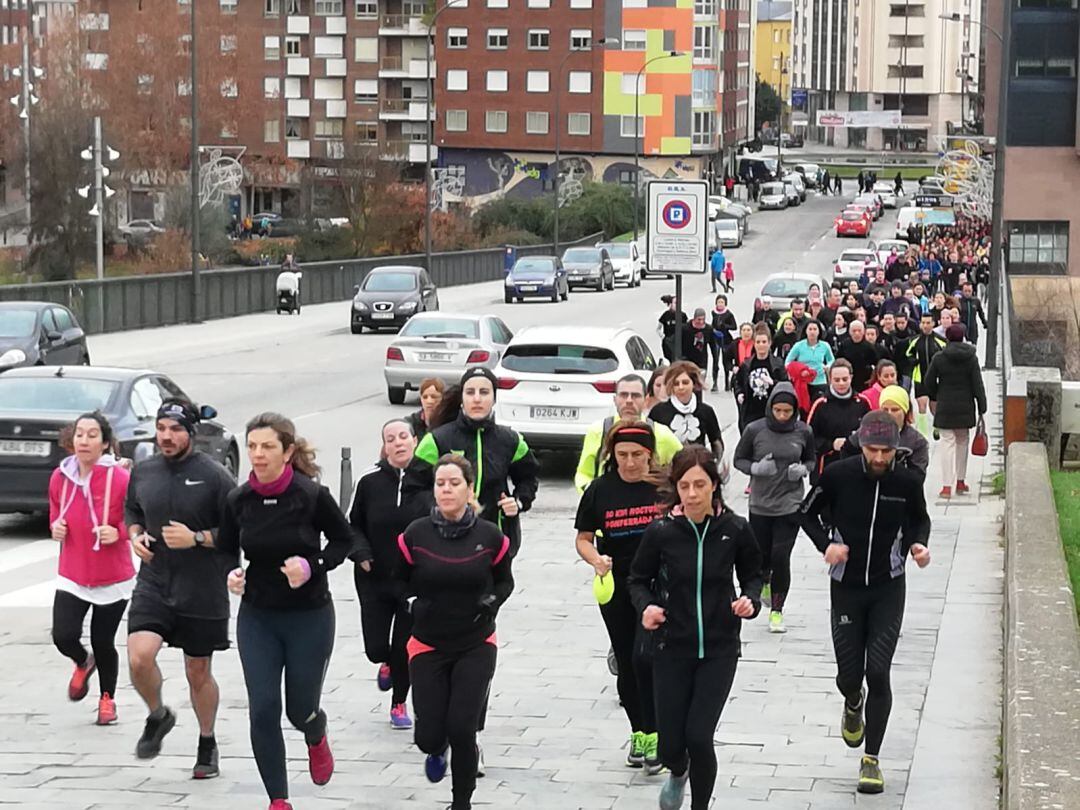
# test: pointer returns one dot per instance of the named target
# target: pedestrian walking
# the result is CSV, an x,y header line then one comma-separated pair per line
x,y
957,395
697,340
669,321
173,510
655,392
682,586
612,516
971,311
861,353
285,625
86,517
431,392
921,350
839,186
756,378
716,267
455,570
834,416
861,180
691,419
777,452
729,278
815,353
865,515
898,185
826,185
723,326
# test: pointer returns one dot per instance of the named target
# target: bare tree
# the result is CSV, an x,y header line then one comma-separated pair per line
x,y
367,185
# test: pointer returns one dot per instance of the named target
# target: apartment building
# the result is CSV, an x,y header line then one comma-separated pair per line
x,y
772,48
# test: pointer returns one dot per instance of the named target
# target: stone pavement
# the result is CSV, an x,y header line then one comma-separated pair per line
x,y
555,732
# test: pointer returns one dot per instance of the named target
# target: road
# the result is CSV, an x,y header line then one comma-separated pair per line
x,y
555,729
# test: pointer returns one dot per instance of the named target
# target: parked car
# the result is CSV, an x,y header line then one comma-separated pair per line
x,y
554,382
772,196
724,208
852,223
627,261
873,203
796,180
537,277
391,294
589,267
862,208
728,233
37,403
141,228
851,264
883,248
887,193
442,345
39,333
809,173
783,288
793,196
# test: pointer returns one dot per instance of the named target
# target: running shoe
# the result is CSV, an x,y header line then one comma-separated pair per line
x,y
852,727
481,768
946,492
870,778
937,435
776,622
673,792
206,760
149,745
766,595
653,765
962,488
384,680
635,755
280,804
399,717
320,761
79,684
106,710
715,387
612,662
435,767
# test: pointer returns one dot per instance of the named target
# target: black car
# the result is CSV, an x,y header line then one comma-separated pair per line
x,y
390,295
589,267
36,333
36,403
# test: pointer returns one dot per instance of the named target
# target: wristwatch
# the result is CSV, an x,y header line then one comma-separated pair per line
x,y
200,538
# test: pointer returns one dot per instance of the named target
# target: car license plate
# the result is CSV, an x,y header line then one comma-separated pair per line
x,y
552,413
576,278
382,316
529,288
434,357
10,447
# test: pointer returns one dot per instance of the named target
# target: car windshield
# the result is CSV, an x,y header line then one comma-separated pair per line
x,y
852,216
856,256
727,225
389,282
560,358
441,327
17,323
65,394
619,251
533,267
581,255
786,287
772,188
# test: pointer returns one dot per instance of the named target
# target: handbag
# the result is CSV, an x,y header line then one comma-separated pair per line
x,y
980,444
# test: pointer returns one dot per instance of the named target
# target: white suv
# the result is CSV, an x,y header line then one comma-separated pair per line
x,y
556,381
626,261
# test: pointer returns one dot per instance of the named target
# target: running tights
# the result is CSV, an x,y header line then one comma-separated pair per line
x,y
298,643
449,690
776,539
635,680
69,611
690,694
865,628
386,624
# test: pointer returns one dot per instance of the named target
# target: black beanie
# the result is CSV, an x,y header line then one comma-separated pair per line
x,y
480,371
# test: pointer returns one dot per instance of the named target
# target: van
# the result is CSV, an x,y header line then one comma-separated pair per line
x,y
761,169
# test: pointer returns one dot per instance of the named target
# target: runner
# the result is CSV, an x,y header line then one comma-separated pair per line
x,y
914,450
834,416
681,584
286,620
885,374
691,419
455,570
723,326
621,504
756,377
380,512
86,516
173,508
817,354
921,349
777,452
860,353
432,390
865,515
655,391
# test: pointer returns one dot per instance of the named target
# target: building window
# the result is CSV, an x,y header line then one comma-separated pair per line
x,y
704,36
292,87
705,8
580,39
704,129
906,10
228,88
498,39
496,81
366,91
457,80
271,8
457,120
228,43
497,4
633,40
580,3
292,46
578,124
331,47
271,48
536,123
329,128
704,88
1039,248
539,3
271,130
580,81
228,6
366,132
366,9
328,89
292,129
457,38
905,71
906,40
271,87
626,126
539,39
537,81
329,8
366,49
628,84
495,121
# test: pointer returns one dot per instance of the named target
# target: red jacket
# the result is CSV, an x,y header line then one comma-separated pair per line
x,y
801,376
82,559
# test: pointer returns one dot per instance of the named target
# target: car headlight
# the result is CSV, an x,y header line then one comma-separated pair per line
x,y
550,281
12,358
509,281
407,306
359,305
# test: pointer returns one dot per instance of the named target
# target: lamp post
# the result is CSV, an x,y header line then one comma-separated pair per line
x,y
196,208
997,268
558,130
780,136
637,129
97,153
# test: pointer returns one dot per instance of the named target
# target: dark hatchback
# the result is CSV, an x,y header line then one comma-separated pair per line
x,y
40,333
37,403
537,277
390,295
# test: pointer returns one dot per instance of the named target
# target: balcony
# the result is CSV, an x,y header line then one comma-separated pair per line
x,y
402,25
298,66
403,109
336,67
298,25
298,149
411,151
396,67
298,108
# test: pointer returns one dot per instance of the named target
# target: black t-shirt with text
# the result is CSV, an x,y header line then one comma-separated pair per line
x,y
620,510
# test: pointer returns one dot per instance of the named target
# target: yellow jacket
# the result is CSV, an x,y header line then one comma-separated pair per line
x,y
667,445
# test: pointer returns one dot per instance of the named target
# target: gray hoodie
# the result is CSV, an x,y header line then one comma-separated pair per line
x,y
788,443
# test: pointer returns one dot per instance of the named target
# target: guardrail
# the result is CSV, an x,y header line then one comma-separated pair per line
x,y
139,302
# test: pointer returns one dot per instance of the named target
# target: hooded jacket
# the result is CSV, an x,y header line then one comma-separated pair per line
x,y
754,381
788,443
954,381
82,504
833,418
380,512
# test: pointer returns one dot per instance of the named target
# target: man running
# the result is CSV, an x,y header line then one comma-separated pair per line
x,y
173,508
865,515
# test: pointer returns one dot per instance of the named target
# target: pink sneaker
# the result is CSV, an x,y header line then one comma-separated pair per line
x,y
280,804
320,761
399,717
384,680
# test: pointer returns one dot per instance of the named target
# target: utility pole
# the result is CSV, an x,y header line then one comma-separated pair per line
x,y
25,115
196,218
99,223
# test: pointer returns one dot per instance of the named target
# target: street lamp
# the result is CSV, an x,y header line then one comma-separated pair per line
x,y
638,128
558,127
98,152
196,208
997,270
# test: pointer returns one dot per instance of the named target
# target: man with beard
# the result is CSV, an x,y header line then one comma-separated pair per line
x,y
865,515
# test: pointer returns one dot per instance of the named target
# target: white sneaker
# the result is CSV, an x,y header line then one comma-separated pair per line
x,y
480,770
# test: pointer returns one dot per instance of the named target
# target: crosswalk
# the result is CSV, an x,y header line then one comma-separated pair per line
x,y
28,574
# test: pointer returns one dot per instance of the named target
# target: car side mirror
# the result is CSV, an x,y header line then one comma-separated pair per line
x,y
207,412
356,289
53,336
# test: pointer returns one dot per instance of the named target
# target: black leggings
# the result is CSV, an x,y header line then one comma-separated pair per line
x,y
865,628
635,681
449,691
298,642
69,611
386,624
690,694
776,539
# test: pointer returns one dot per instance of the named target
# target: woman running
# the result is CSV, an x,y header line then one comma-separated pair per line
x,y
815,353
681,584
756,377
455,570
885,374
785,338
656,391
286,618
723,325
834,416
691,419
380,512
432,390
86,516
618,506
777,452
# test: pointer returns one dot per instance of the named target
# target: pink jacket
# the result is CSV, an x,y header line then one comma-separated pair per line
x,y
83,559
873,395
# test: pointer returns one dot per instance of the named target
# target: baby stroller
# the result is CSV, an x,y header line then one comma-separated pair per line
x,y
288,289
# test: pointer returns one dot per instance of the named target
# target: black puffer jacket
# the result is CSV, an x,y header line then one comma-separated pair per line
x,y
954,381
381,509
832,418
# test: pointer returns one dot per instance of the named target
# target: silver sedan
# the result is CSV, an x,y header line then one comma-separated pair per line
x,y
442,345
